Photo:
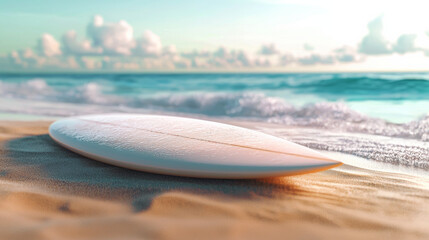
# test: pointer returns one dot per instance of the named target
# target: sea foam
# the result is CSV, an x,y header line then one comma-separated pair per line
x,y
84,98
324,123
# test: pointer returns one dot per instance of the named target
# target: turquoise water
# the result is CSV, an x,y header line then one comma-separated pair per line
x,y
377,116
395,97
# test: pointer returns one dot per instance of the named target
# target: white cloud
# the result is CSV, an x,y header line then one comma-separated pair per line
x,y
344,54
27,59
405,44
23,58
72,46
148,45
183,63
199,59
48,46
160,63
222,52
308,47
89,63
374,43
169,50
243,58
286,59
347,54
224,58
112,46
262,63
269,49
314,59
113,38
221,58
196,54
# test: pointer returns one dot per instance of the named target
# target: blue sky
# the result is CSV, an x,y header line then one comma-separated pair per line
x,y
301,35
187,24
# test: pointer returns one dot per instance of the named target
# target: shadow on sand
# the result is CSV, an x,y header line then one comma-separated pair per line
x,y
39,159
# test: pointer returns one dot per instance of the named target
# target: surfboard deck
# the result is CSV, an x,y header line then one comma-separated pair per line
x,y
185,147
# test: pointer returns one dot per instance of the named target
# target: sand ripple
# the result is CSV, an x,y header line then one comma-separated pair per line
x,y
47,192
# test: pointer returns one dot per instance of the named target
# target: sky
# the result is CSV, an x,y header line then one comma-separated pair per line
x,y
233,35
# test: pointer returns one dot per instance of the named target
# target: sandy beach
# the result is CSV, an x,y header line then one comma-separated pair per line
x,y
47,192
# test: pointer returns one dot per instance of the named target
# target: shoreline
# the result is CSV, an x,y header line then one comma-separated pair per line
x,y
47,192
269,128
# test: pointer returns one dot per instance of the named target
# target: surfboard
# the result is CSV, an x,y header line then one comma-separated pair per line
x,y
185,147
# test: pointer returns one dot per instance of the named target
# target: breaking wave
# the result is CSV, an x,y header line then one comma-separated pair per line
x,y
87,97
326,122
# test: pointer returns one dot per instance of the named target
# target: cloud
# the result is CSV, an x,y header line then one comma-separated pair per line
x,y
151,63
222,52
183,63
314,59
308,47
405,44
344,54
374,43
269,49
196,54
199,59
48,46
113,46
224,58
286,59
89,63
243,58
263,63
72,46
347,54
148,45
169,50
26,59
113,38
23,58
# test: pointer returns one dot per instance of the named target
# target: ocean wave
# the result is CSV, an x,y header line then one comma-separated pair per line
x,y
369,88
348,86
331,126
38,89
396,151
326,115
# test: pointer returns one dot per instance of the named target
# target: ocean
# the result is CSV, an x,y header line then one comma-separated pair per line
x,y
381,117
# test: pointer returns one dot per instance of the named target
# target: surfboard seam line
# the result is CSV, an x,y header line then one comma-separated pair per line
x,y
211,141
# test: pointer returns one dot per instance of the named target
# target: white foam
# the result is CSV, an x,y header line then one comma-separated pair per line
x,y
91,97
331,126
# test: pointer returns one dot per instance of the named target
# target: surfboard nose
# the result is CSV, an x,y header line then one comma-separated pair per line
x,y
327,165
322,160
306,161
306,166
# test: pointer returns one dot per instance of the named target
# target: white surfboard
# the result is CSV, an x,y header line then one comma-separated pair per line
x,y
185,147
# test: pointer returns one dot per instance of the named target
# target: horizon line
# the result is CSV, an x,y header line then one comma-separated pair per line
x,y
200,72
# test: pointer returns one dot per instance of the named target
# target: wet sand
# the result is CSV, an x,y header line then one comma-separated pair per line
x,y
48,192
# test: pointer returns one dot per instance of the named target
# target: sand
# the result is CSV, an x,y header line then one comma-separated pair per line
x,y
47,192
